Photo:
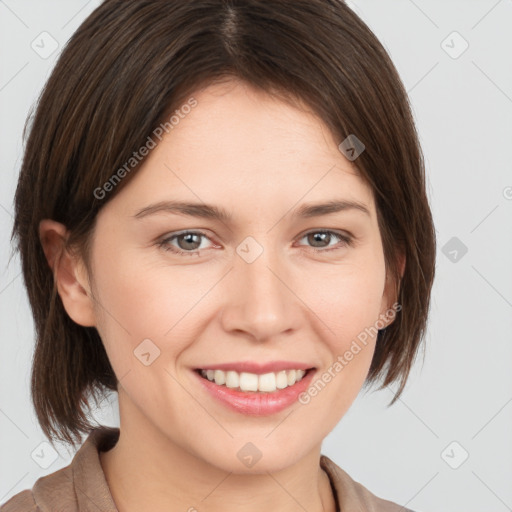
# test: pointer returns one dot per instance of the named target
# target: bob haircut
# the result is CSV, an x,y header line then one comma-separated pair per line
x,y
124,72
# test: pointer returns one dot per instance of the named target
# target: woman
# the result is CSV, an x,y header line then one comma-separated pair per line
x,y
221,215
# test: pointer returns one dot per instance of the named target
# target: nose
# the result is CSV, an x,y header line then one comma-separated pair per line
x,y
260,298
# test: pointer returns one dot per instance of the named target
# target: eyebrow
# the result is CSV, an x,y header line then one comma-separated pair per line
x,y
208,211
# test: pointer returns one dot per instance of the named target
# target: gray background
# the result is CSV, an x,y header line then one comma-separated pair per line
x,y
459,402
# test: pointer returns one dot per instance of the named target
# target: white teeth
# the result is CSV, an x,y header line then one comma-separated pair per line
x,y
292,377
267,382
249,381
282,379
232,379
246,381
220,377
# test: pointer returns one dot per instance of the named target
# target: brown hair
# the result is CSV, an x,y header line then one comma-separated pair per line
x,y
122,73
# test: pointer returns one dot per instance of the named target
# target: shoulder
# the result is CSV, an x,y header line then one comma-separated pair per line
x,y
21,502
55,489
352,495
78,486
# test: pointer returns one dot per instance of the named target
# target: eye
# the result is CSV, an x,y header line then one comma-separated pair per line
x,y
188,240
320,237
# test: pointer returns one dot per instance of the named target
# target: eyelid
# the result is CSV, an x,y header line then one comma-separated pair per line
x,y
165,241
346,238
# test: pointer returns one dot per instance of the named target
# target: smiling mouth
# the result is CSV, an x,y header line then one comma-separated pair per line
x,y
251,382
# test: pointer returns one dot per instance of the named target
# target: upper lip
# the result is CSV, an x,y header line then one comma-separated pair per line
x,y
258,368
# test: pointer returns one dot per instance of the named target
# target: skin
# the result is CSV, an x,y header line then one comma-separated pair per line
x,y
260,159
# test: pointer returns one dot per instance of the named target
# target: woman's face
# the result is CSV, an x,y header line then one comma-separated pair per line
x,y
262,285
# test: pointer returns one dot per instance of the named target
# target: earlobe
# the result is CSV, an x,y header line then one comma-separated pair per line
x,y
68,272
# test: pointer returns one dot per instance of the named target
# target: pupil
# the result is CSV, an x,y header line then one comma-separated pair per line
x,y
188,238
316,238
319,237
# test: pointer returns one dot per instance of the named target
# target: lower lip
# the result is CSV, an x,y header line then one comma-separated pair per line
x,y
257,403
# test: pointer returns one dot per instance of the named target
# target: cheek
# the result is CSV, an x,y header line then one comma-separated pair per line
x,y
347,299
348,302
137,300
350,307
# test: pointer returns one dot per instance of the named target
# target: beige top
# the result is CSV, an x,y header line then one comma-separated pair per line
x,y
82,487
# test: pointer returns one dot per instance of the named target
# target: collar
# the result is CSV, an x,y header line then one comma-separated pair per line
x,y
84,481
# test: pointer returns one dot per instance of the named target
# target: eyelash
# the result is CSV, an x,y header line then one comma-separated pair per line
x,y
165,244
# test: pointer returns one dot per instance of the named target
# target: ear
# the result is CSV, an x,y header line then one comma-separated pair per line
x,y
68,272
390,295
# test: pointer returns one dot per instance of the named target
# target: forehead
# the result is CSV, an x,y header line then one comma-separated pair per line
x,y
240,146
234,118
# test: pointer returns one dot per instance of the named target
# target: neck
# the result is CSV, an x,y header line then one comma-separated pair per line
x,y
151,473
